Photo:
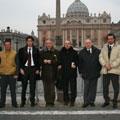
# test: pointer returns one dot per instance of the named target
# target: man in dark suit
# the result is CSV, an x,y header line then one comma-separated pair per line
x,y
68,65
29,66
89,68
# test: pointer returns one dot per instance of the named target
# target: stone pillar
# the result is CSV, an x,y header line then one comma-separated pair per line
x,y
99,39
40,38
91,34
71,36
58,40
78,38
49,34
65,34
58,24
82,41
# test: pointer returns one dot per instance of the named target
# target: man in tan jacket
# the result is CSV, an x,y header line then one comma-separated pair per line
x,y
8,73
110,61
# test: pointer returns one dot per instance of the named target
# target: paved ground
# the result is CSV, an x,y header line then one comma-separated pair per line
x,y
60,112
59,117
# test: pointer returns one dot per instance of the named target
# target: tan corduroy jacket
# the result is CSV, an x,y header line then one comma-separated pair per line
x,y
114,59
8,63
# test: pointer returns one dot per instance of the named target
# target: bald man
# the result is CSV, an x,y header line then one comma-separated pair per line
x,y
49,61
89,68
69,63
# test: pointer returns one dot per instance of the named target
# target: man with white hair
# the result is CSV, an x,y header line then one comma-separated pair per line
x,y
49,62
89,68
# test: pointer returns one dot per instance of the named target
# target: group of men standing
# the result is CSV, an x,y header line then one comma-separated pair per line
x,y
26,65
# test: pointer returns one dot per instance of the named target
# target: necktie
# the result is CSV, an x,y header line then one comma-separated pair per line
x,y
88,50
29,58
109,51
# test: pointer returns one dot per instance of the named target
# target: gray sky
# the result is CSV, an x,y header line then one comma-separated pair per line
x,y
22,15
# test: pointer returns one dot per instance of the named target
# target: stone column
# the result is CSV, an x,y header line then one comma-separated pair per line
x,y
82,41
40,39
63,36
99,38
58,24
77,37
49,34
71,36
58,40
91,34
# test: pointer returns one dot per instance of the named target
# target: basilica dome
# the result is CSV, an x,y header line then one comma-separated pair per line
x,y
77,8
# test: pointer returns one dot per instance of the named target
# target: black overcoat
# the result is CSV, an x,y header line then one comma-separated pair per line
x,y
89,65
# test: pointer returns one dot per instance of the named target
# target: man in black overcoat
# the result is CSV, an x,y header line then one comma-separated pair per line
x,y
68,65
89,68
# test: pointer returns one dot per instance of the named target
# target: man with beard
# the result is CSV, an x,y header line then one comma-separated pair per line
x,y
110,61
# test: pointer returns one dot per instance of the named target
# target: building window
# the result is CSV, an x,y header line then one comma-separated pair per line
x,y
104,20
44,21
95,21
68,22
88,36
88,20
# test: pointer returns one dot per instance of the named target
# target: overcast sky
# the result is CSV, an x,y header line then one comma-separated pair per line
x,y
22,14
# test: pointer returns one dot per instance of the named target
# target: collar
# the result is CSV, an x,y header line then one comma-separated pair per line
x,y
111,45
88,49
29,48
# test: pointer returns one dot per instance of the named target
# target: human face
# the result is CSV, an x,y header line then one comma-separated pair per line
x,y
67,44
49,44
110,40
7,46
88,43
29,42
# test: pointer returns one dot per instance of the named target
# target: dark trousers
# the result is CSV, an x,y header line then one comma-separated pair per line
x,y
115,83
5,81
69,89
0,89
31,77
90,88
49,89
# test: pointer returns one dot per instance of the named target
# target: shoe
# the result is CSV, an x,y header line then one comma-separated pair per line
x,y
32,104
2,106
72,104
15,106
50,105
22,105
85,105
66,103
92,104
115,105
105,104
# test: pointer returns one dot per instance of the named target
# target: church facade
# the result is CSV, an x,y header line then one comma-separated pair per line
x,y
77,25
